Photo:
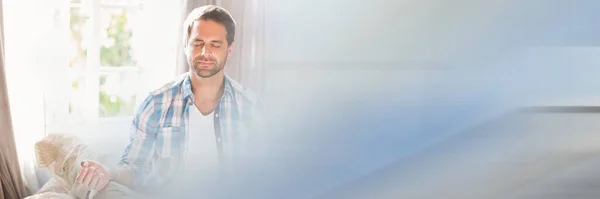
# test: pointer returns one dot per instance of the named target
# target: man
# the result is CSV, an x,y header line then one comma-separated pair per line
x,y
198,115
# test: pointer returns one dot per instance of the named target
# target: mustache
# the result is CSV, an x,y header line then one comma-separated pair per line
x,y
204,58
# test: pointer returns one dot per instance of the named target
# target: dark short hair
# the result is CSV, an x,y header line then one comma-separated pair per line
x,y
213,13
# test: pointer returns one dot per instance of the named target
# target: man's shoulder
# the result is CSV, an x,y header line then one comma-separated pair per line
x,y
243,93
171,87
249,102
165,93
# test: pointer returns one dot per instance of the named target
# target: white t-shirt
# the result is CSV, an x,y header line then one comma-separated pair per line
x,y
202,154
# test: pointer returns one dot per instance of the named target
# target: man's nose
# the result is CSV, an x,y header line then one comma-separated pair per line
x,y
204,51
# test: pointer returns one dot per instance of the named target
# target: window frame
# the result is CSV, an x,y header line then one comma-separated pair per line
x,y
93,69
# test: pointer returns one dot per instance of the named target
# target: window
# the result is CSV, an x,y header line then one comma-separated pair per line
x,y
81,67
103,66
116,51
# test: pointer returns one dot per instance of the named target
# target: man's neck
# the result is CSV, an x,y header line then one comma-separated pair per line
x,y
207,89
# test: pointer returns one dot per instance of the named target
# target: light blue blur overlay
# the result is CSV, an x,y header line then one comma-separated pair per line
x,y
421,99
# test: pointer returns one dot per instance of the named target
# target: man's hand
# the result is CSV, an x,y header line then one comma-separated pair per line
x,y
93,175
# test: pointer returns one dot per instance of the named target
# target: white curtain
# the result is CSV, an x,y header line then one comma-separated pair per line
x,y
32,44
247,63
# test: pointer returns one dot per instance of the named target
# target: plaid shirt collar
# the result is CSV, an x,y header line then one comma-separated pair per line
x,y
186,89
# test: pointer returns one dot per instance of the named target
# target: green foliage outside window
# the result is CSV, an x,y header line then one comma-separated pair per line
x,y
117,53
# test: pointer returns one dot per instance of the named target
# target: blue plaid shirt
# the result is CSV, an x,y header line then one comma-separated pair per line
x,y
158,140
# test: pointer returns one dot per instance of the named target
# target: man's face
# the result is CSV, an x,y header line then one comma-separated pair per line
x,y
207,49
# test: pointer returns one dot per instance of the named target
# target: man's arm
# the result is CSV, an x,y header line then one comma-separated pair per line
x,y
138,153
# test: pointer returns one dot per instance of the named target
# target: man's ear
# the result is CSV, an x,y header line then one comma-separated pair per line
x,y
230,49
184,44
185,47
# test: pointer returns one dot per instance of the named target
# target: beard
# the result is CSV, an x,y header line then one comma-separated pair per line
x,y
217,67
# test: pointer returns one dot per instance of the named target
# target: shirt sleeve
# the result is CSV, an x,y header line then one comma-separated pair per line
x,y
138,155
